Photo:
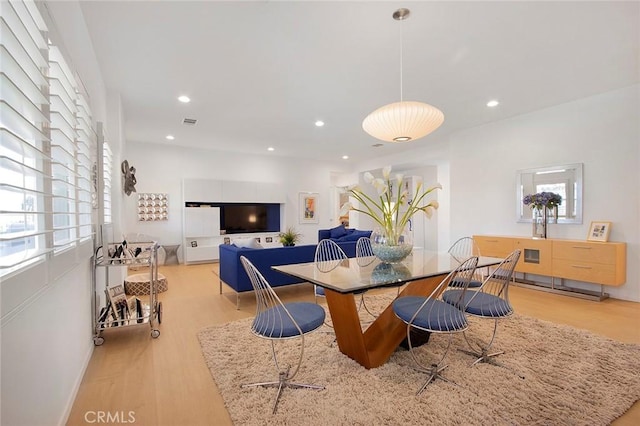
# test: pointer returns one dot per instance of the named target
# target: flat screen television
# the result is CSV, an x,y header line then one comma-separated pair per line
x,y
247,218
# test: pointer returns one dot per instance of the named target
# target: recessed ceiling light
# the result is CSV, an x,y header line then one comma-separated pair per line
x,y
184,99
492,103
271,148
170,137
345,157
319,123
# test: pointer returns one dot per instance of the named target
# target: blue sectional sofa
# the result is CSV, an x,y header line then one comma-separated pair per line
x,y
233,274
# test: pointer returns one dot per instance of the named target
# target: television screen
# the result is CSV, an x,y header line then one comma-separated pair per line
x,y
241,218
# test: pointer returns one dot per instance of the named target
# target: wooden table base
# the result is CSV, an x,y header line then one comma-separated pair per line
x,y
372,348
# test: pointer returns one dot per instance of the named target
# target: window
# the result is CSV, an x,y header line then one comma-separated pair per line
x,y
24,164
46,143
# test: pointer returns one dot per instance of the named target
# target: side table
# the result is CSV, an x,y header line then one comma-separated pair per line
x,y
171,254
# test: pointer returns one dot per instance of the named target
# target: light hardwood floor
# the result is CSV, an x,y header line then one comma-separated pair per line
x,y
165,381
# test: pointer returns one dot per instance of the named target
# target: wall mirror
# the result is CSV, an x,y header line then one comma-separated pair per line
x,y
565,180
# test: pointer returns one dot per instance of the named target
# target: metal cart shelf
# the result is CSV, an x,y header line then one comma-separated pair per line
x,y
143,254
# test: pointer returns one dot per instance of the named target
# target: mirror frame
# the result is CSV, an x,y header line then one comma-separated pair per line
x,y
576,167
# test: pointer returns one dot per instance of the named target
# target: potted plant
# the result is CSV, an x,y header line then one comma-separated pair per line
x,y
289,237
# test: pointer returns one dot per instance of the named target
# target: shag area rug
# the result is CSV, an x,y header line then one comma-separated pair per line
x,y
571,377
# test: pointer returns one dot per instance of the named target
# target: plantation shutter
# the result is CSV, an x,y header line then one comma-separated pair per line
x,y
86,190
64,153
24,143
107,181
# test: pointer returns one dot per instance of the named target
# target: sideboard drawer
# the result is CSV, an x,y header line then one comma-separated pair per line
x,y
585,252
494,246
585,271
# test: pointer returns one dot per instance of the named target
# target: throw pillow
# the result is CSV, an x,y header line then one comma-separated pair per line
x,y
356,235
338,231
247,243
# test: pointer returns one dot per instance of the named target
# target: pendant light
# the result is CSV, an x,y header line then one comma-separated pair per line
x,y
405,120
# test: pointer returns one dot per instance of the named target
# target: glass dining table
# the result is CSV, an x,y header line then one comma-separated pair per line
x,y
422,271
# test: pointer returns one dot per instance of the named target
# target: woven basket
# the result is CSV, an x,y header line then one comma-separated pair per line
x,y
138,284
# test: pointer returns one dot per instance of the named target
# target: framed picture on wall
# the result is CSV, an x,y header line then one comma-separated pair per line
x,y
599,231
308,207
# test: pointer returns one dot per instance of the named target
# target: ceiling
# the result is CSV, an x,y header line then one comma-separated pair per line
x,y
260,74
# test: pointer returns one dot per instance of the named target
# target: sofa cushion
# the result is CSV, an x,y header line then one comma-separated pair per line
x,y
247,243
354,236
338,231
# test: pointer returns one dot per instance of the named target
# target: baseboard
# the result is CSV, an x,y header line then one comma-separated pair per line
x,y
76,387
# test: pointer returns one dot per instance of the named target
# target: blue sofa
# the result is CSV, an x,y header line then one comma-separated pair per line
x,y
344,237
233,274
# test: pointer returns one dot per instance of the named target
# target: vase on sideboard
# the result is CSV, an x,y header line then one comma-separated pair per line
x,y
539,222
552,215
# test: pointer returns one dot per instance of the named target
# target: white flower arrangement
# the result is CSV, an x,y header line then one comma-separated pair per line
x,y
386,212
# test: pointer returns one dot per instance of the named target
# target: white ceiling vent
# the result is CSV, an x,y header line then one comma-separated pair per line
x,y
189,121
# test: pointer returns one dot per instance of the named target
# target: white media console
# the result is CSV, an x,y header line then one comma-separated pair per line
x,y
201,225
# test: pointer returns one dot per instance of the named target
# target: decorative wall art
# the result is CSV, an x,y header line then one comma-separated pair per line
x,y
599,231
153,207
128,178
308,207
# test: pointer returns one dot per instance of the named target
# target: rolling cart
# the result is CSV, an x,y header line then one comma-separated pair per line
x,y
111,308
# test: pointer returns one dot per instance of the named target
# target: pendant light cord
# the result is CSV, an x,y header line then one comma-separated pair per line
x,y
401,55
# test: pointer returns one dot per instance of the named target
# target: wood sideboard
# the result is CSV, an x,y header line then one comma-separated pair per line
x,y
576,260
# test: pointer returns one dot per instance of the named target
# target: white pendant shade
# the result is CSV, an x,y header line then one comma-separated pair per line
x,y
403,121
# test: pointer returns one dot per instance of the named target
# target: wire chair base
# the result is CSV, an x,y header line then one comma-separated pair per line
x,y
283,382
488,358
482,355
435,369
434,374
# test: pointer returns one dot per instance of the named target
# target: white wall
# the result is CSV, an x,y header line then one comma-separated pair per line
x,y
161,168
46,338
477,168
45,313
602,132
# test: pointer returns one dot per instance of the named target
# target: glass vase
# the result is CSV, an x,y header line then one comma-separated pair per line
x,y
391,245
539,223
552,215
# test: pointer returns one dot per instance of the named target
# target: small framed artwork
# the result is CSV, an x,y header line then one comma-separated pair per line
x,y
116,292
308,207
227,240
599,231
194,244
